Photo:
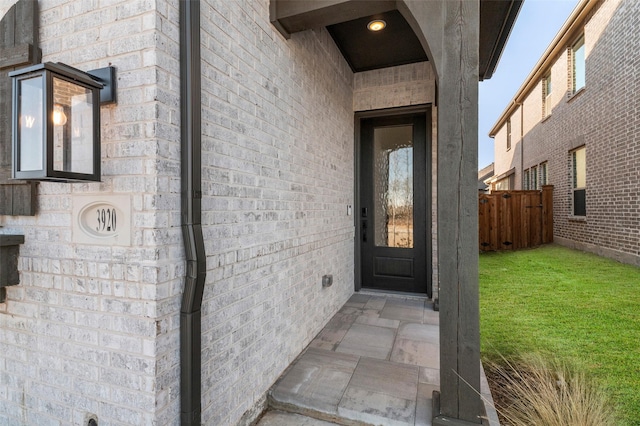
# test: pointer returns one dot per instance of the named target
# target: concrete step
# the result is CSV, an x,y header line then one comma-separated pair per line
x,y
281,418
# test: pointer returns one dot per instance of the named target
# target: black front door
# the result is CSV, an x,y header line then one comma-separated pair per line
x,y
393,203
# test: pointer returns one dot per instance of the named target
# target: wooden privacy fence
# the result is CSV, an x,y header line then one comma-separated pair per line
x,y
510,220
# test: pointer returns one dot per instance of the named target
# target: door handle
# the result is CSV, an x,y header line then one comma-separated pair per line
x,y
364,231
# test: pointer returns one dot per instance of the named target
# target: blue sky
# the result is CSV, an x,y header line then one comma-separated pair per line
x,y
537,24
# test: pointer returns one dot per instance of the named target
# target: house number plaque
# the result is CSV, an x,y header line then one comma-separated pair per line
x,y
106,220
102,220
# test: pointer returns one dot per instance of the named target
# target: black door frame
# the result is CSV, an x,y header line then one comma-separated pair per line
x,y
381,113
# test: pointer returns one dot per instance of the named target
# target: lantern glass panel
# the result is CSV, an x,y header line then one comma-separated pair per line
x,y
72,118
31,124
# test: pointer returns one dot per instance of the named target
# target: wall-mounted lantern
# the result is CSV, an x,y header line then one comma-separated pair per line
x,y
56,121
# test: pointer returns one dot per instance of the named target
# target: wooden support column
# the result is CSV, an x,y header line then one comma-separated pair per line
x,y
460,403
18,48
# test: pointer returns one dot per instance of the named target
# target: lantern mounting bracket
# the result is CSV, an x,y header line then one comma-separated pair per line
x,y
107,77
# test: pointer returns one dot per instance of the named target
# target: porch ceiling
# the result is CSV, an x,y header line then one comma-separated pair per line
x,y
346,21
365,50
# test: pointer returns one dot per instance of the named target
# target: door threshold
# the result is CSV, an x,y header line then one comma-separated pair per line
x,y
399,294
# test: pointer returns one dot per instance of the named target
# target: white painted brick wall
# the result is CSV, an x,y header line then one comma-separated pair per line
x,y
278,173
412,84
80,333
95,329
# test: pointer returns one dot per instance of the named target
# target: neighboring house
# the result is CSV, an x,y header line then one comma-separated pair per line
x,y
574,124
237,160
484,175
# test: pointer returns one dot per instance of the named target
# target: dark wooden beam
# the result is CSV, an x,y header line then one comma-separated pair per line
x,y
5,127
18,47
9,252
6,199
18,198
458,214
17,56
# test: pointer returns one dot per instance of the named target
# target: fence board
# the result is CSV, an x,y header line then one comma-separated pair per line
x,y
511,220
495,223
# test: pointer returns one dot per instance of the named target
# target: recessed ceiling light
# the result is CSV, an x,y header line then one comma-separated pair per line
x,y
376,25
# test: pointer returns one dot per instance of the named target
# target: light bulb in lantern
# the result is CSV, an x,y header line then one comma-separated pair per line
x,y
59,117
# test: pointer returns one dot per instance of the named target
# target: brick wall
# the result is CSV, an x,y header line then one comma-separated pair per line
x,y
4,7
94,329
83,332
412,84
277,172
507,159
602,117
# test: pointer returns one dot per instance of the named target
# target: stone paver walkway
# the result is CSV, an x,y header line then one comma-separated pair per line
x,y
376,362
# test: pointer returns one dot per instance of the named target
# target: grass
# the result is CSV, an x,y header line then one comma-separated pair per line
x,y
576,307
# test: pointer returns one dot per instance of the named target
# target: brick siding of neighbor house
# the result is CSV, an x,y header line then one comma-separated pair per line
x,y
95,329
604,118
509,158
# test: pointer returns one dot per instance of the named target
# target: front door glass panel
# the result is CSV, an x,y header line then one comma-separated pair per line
x,y
393,186
394,190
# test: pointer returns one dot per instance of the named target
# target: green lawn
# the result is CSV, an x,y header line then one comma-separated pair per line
x,y
581,308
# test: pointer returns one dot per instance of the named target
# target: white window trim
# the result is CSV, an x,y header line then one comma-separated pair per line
x,y
544,166
546,95
572,67
573,183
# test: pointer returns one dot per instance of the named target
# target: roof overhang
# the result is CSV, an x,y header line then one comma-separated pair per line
x,y
496,21
506,174
290,16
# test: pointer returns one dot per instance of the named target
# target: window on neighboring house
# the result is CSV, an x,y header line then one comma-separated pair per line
x,y
543,174
578,64
579,177
508,134
505,184
526,180
534,178
546,96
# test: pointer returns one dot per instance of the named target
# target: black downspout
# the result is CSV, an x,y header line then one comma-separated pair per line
x,y
191,214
